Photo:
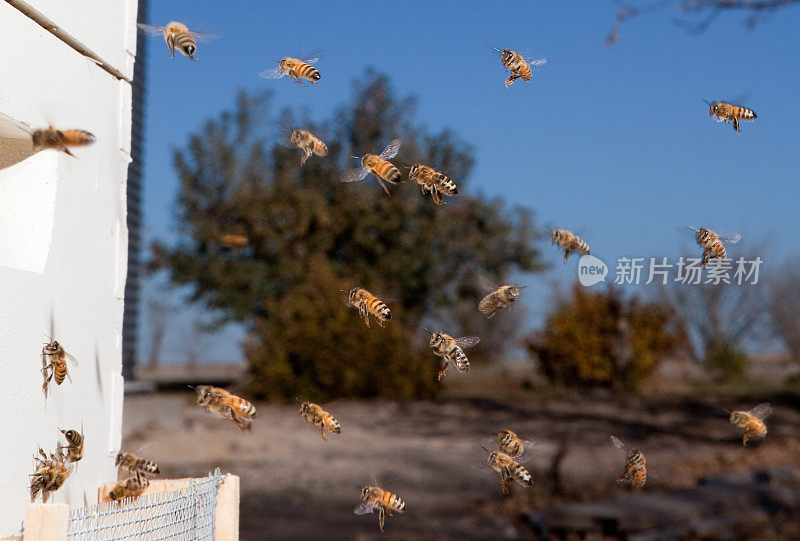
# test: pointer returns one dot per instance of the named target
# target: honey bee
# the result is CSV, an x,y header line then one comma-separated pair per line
x,y
712,244
511,444
231,240
367,304
319,417
74,445
519,67
509,469
373,497
379,167
635,468
132,487
51,473
451,350
133,463
497,299
228,405
752,421
727,112
308,143
433,181
296,69
54,139
569,242
177,36
54,364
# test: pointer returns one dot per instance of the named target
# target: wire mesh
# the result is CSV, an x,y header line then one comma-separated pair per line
x,y
187,513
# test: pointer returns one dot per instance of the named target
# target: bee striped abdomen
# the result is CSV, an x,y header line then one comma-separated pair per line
x,y
320,148
518,472
243,408
460,360
184,42
392,501
59,371
388,172
378,308
445,185
308,71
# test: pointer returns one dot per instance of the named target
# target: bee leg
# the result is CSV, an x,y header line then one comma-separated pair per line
x,y
380,519
322,433
736,125
366,319
385,188
66,151
492,315
379,321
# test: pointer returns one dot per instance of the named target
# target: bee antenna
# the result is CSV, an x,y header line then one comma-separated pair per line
x,y
707,102
404,164
356,157
192,387
485,449
429,331
298,400
496,49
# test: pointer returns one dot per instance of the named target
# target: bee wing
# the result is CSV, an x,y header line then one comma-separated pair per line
x,y
356,175
365,507
762,411
467,341
617,443
486,284
730,239
536,62
391,150
310,59
205,38
71,358
274,73
151,29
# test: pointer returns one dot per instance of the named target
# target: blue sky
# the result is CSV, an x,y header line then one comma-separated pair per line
x,y
614,143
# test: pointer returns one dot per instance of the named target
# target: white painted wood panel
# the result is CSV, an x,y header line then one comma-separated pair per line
x,y
102,25
63,221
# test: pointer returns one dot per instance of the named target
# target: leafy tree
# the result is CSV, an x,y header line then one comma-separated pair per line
x,y
311,235
603,339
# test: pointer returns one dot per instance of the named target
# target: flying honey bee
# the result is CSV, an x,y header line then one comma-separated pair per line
x,y
54,364
74,445
373,497
712,244
451,350
509,469
54,139
569,242
727,112
51,473
367,304
177,36
132,487
228,405
308,143
231,240
319,417
519,67
635,468
379,167
433,181
511,444
499,298
752,421
133,463
296,69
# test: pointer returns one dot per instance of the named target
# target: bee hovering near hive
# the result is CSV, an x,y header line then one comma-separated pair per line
x,y
52,139
379,167
133,463
228,405
511,444
74,445
367,304
727,112
520,67
373,497
177,36
318,417
569,242
430,180
308,143
712,243
451,350
510,470
296,69
132,487
752,421
498,297
232,240
50,474
635,469
54,364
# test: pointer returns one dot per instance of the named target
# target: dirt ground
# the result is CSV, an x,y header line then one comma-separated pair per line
x,y
296,486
